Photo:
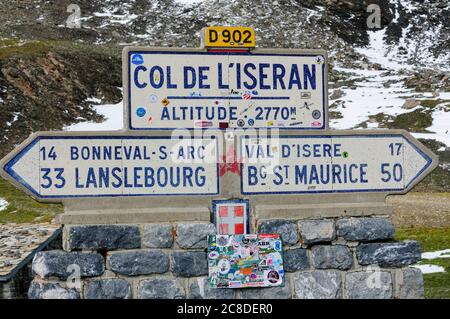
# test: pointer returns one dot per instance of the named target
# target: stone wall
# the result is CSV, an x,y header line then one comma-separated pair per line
x,y
15,284
324,258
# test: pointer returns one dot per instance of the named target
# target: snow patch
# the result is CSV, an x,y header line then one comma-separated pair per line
x,y
113,114
437,254
377,52
383,91
429,269
3,204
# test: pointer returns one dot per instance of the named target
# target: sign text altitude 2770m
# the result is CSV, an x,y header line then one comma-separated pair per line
x,y
216,89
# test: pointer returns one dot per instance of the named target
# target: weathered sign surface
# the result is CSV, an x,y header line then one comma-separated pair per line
x,y
57,165
333,162
195,88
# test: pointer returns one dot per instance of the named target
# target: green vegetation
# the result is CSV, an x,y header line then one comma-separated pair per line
x,y
22,208
415,121
24,50
14,48
437,181
437,286
333,115
8,42
432,144
433,103
430,239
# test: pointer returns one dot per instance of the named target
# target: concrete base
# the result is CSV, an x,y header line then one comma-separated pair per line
x,y
307,211
124,211
134,216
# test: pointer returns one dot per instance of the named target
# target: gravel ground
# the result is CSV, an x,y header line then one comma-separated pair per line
x,y
17,241
421,210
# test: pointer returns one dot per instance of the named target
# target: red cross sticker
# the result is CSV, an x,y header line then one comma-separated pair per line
x,y
231,219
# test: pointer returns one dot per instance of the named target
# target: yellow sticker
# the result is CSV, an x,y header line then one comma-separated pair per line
x,y
237,37
165,101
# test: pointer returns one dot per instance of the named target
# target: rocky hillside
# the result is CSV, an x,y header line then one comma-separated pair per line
x,y
45,86
394,76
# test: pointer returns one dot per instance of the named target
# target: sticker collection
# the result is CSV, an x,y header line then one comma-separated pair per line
x,y
240,261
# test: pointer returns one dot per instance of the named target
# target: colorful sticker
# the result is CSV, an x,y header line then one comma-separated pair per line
x,y
153,98
137,59
213,255
140,112
319,59
203,124
305,95
224,266
277,245
222,241
316,114
240,261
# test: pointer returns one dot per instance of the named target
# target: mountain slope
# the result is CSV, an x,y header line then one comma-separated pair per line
x,y
397,76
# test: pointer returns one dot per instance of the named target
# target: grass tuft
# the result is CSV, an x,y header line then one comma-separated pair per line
x,y
437,286
22,208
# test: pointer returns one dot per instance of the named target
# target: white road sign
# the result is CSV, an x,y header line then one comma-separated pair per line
x,y
55,166
333,162
181,88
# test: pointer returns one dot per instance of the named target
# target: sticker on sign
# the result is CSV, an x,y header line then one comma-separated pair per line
x,y
390,162
193,88
55,166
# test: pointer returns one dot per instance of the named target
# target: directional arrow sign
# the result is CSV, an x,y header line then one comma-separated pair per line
x,y
334,161
53,166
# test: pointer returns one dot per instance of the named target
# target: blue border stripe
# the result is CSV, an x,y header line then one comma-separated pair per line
x,y
425,156
8,167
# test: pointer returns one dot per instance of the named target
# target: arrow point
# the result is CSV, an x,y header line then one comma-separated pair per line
x,y
416,161
24,167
